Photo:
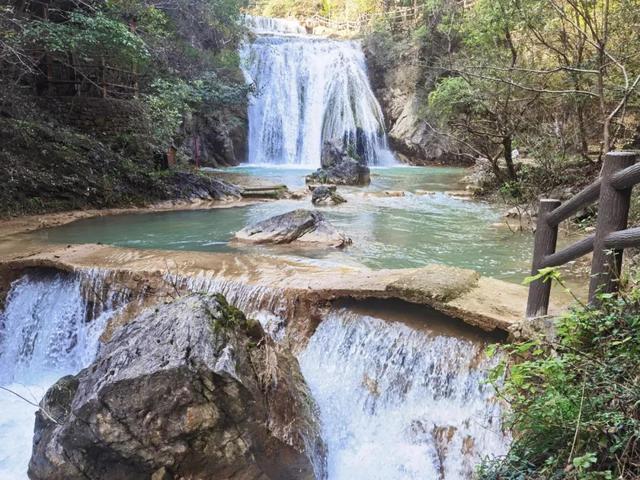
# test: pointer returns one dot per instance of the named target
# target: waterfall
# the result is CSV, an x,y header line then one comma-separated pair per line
x,y
395,402
309,90
399,403
266,304
50,327
270,25
44,328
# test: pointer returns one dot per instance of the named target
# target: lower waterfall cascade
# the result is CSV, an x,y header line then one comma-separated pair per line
x,y
48,329
395,402
308,90
398,403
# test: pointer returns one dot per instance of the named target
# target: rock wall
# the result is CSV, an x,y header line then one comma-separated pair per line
x,y
402,85
220,137
218,140
95,114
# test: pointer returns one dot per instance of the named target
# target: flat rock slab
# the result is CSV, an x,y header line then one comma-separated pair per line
x,y
434,283
487,303
273,192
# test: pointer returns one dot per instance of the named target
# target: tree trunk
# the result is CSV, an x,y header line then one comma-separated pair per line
x,y
508,157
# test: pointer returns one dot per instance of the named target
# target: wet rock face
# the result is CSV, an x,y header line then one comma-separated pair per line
x,y
300,225
323,195
190,389
339,168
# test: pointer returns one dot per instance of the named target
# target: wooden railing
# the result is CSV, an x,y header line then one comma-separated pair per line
x,y
612,191
66,77
402,15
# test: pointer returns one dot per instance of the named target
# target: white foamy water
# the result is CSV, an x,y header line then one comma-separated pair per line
x,y
47,330
270,25
397,403
309,90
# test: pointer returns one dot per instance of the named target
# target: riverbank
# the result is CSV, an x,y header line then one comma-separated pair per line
x,y
31,223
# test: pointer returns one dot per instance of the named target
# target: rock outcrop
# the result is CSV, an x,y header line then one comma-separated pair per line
x,y
189,389
300,225
217,139
339,168
189,186
402,85
326,195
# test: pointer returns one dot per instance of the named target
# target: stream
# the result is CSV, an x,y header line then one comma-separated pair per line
x,y
401,390
407,231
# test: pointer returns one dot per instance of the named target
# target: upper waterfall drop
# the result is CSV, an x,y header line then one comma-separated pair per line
x,y
309,90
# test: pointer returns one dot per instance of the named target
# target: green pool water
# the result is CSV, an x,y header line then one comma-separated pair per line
x,y
387,232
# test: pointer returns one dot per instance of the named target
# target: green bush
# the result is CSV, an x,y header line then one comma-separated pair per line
x,y
575,401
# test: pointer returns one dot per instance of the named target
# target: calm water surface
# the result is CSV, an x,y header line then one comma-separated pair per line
x,y
387,232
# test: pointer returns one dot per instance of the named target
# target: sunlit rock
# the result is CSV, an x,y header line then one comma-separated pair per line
x,y
300,225
190,389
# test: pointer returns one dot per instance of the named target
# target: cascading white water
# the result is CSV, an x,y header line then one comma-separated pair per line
x,y
265,304
270,25
47,330
395,402
309,90
398,403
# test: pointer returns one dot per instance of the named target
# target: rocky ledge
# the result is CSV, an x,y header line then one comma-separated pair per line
x,y
304,226
189,186
339,167
189,389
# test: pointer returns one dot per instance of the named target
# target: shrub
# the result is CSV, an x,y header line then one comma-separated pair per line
x,y
575,402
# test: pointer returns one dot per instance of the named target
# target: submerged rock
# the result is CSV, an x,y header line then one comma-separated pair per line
x,y
340,168
190,389
323,195
298,225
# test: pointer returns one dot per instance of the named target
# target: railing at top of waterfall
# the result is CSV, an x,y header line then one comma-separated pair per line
x,y
401,15
612,191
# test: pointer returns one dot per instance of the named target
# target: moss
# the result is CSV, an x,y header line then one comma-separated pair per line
x,y
228,318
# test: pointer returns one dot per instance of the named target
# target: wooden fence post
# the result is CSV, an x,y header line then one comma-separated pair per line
x,y
544,244
613,211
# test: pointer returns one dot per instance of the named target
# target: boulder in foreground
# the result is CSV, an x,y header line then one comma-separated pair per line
x,y
190,389
300,225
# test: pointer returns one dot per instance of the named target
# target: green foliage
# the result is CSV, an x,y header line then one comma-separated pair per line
x,y
297,8
151,21
575,402
88,36
545,275
171,100
451,96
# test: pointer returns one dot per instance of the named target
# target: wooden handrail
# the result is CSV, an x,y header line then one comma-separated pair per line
x,y
582,199
623,239
613,193
567,254
626,178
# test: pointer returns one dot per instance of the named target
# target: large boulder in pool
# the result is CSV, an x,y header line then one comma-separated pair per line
x,y
340,168
303,226
190,389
